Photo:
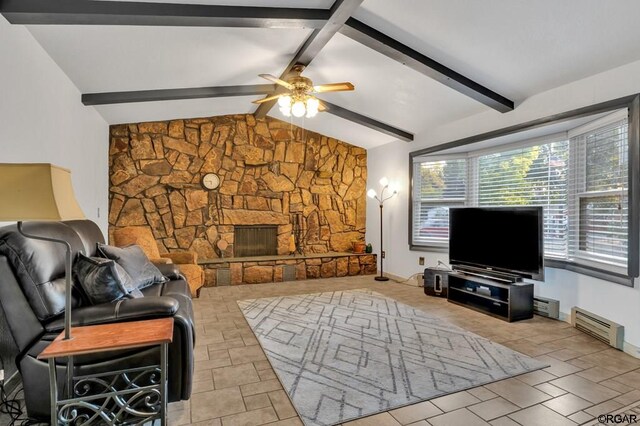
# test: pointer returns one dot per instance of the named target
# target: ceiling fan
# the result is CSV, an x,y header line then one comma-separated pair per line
x,y
300,101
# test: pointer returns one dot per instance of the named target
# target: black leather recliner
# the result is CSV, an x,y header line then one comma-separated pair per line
x,y
32,294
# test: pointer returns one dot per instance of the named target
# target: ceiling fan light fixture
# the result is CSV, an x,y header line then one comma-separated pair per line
x,y
299,101
284,101
298,109
312,107
286,110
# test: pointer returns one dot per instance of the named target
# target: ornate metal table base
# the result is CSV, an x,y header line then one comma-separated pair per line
x,y
126,397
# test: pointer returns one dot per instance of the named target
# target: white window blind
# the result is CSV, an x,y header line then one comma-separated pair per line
x,y
530,176
437,185
599,211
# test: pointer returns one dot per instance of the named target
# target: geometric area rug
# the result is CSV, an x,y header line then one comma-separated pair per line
x,y
347,354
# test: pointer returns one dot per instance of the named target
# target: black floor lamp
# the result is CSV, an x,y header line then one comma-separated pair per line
x,y
384,182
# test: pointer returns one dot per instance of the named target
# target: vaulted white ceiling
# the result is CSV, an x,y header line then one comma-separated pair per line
x,y
123,58
516,48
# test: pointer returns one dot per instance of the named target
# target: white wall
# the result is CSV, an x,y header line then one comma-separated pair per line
x,y
613,301
42,120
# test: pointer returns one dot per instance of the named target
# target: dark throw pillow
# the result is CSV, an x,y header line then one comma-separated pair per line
x,y
103,280
135,262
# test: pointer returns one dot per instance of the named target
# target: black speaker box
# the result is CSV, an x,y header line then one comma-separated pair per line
x,y
436,282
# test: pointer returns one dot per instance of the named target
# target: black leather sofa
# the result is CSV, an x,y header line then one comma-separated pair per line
x,y
32,294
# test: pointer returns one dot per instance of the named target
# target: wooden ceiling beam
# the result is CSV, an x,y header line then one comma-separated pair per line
x,y
376,40
369,122
109,98
83,12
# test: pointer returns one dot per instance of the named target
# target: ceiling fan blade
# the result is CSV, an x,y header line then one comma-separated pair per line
x,y
277,80
321,106
334,87
268,98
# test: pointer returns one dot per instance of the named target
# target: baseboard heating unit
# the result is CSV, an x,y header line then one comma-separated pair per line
x,y
549,308
602,329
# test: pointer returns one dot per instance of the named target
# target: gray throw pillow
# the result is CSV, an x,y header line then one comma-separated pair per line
x,y
135,262
103,280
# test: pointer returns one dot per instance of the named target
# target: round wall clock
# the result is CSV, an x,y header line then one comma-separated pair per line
x,y
210,181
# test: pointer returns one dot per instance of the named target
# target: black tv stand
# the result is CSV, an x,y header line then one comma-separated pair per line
x,y
509,301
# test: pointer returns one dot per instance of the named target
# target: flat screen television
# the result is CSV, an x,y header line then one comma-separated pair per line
x,y
501,239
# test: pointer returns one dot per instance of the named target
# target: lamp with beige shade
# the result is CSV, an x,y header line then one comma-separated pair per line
x,y
42,192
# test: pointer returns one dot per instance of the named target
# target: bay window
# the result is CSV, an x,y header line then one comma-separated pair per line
x,y
580,176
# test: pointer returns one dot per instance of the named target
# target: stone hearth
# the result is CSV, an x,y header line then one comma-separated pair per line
x,y
266,269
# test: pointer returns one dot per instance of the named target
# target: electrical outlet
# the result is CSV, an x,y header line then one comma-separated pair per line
x,y
421,261
383,254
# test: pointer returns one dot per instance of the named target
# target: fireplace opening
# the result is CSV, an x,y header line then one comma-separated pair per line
x,y
255,240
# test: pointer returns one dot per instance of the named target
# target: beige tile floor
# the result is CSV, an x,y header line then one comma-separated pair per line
x,y
235,384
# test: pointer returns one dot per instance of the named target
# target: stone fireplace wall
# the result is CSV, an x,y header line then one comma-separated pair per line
x,y
270,172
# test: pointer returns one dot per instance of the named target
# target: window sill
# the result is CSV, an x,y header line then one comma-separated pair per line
x,y
433,249
590,271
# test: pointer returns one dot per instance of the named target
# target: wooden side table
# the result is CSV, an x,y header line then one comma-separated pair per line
x,y
132,396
